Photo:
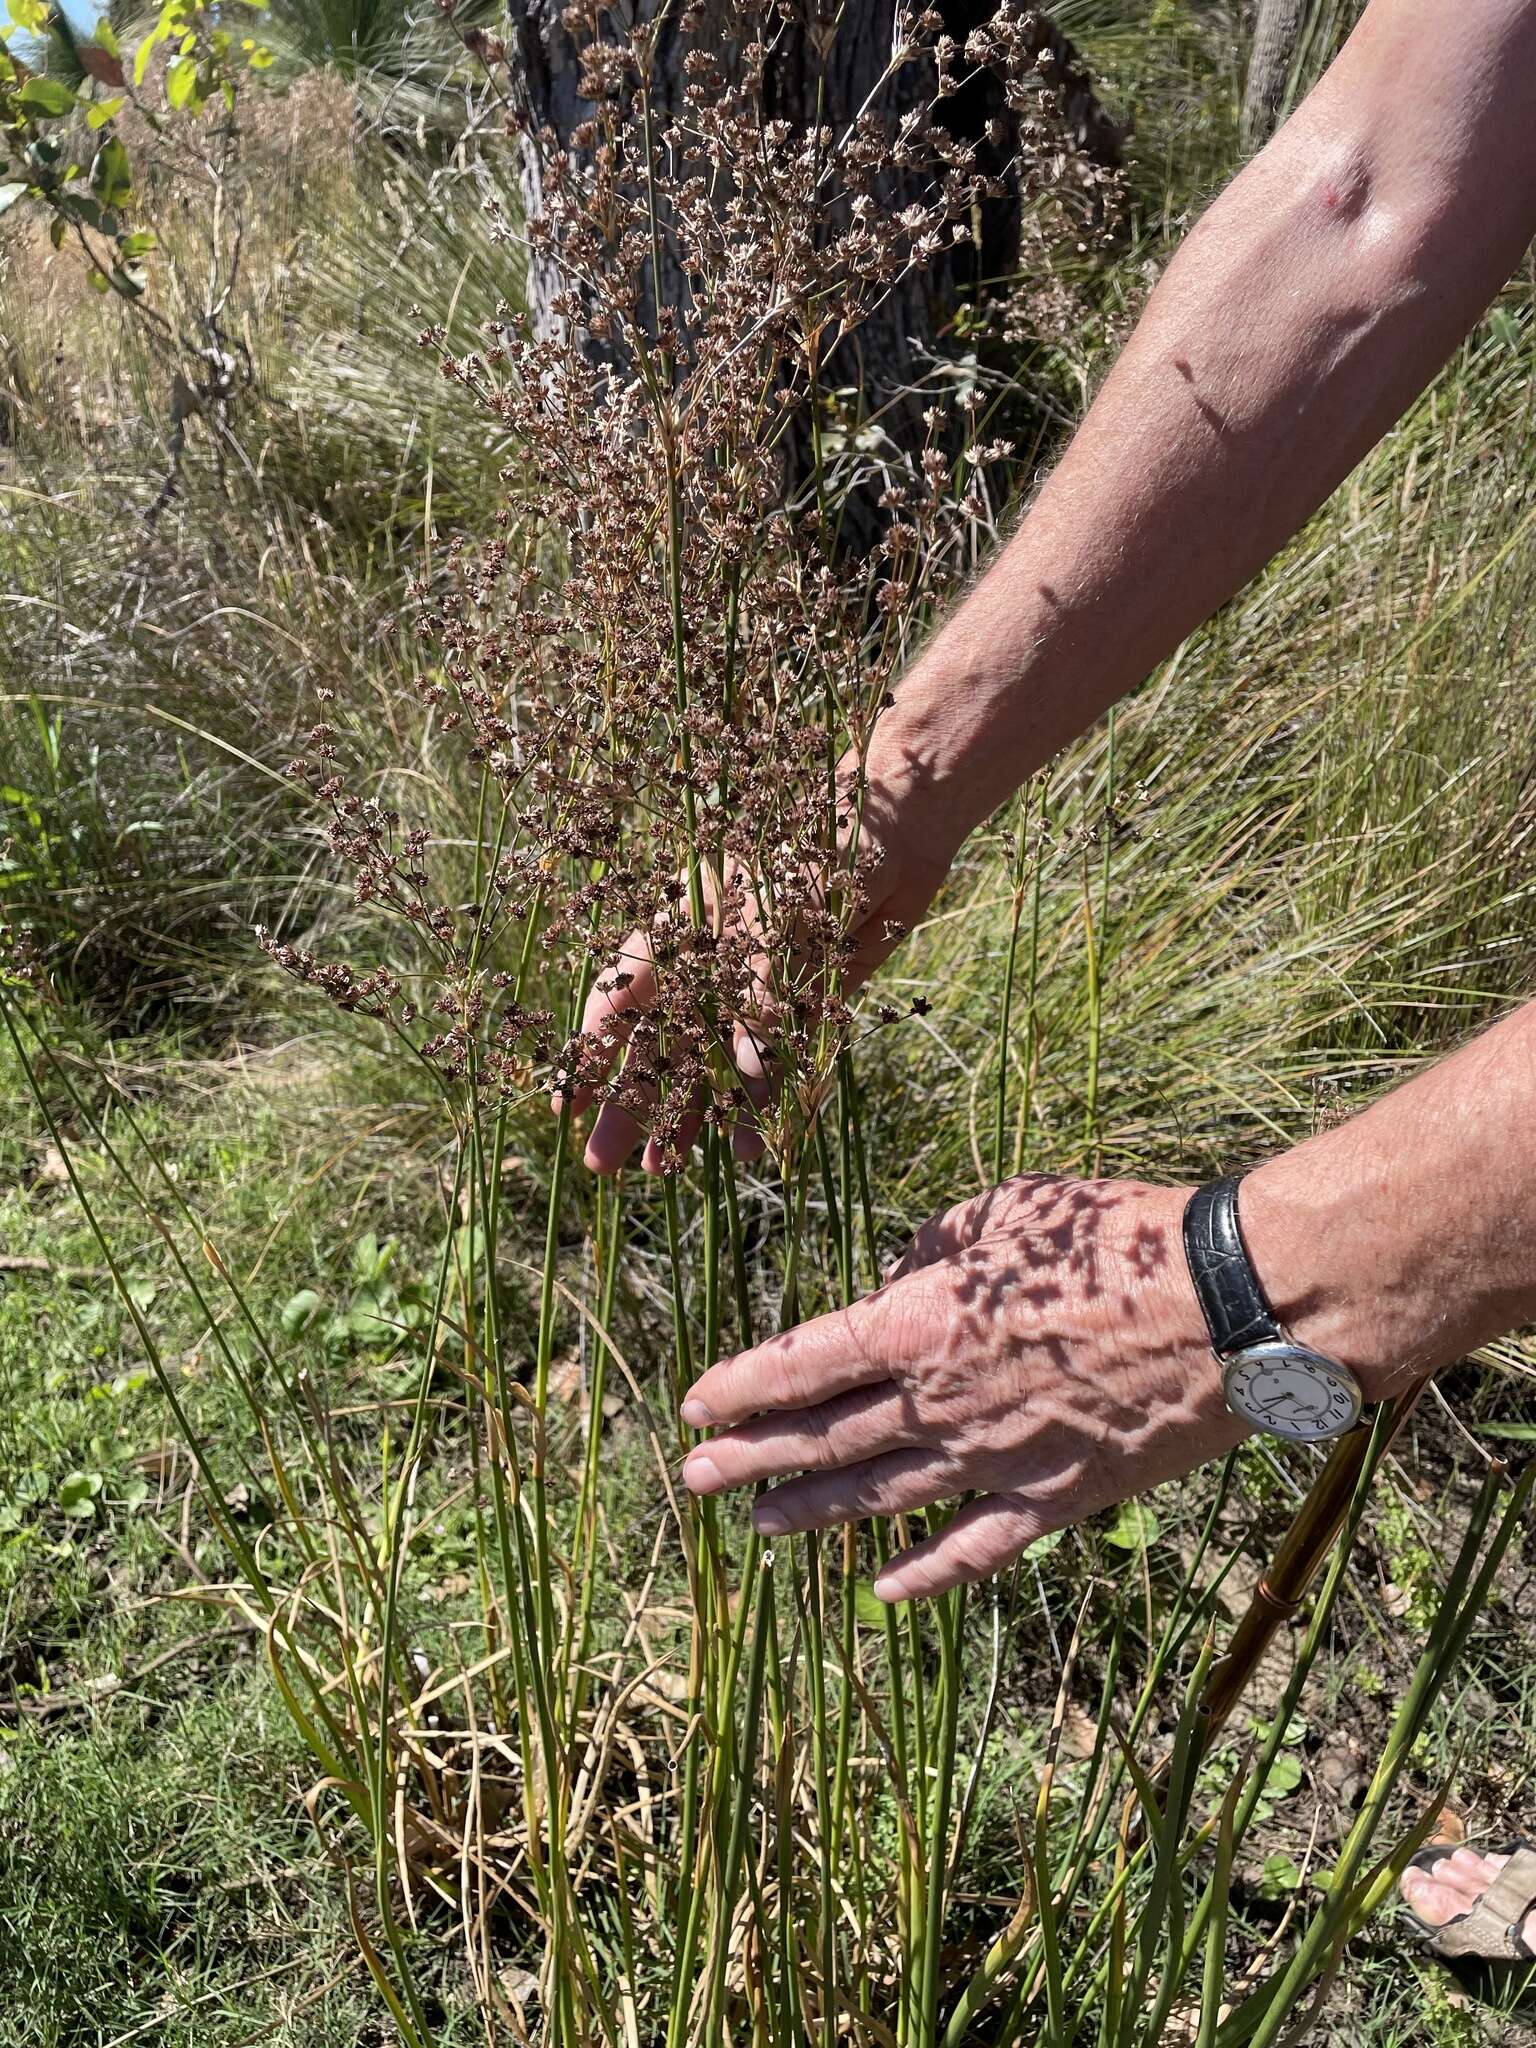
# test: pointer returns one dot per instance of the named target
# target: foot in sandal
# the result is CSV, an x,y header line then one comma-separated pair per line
x,y
1475,1904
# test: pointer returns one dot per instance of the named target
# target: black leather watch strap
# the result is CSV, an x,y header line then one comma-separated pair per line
x,y
1231,1299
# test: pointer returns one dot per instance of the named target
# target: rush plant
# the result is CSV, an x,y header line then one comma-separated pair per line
x,y
655,1781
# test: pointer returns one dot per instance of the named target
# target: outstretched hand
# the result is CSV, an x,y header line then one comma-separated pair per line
x,y
1039,1345
907,854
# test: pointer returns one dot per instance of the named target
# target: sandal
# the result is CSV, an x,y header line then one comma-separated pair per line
x,y
1491,1930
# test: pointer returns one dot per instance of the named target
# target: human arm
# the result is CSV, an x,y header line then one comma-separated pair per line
x,y
1304,312
1041,1344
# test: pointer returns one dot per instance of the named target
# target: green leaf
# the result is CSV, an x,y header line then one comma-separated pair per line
x,y
261,58
98,281
1043,1545
868,1608
1504,327
105,111
1284,1777
77,1495
106,36
1520,1432
1280,1876
181,83
300,1310
112,174
1132,1527
48,97
141,1292
31,15
9,194
135,246
146,49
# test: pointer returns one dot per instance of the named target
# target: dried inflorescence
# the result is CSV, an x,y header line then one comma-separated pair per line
x,y
667,661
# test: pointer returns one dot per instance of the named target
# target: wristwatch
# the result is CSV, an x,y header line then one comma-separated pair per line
x,y
1270,1381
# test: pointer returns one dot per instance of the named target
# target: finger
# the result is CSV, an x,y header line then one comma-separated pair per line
x,y
615,1133
892,1484
839,1432
967,1223
747,1143
614,1001
981,1539
830,1355
654,1159
623,1121
750,1055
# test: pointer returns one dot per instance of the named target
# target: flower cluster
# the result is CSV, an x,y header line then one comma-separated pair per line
x,y
667,661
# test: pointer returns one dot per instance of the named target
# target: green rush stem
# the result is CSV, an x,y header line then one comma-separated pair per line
x,y
534,1579
742,1807
907,1876
542,1360
1050,1934
608,1238
1032,1016
395,1541
1095,1027
1005,1020
1213,1975
816,1674
840,1216
712,1664
737,1243
951,1622
689,1883
1096,933
784,1732
855,1128
1162,1916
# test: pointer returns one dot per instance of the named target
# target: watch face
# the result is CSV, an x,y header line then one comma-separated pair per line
x,y
1291,1392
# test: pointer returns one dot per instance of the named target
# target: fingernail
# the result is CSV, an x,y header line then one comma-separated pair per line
x,y
696,1413
889,1587
769,1521
701,1473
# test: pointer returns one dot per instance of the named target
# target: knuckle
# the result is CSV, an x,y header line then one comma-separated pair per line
x,y
819,1445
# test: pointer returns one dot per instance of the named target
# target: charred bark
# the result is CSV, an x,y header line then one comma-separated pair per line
x,y
828,79
1276,36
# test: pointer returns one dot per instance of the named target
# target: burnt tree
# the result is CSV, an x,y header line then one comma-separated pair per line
x,y
817,73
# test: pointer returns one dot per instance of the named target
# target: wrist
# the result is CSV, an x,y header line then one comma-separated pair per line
x,y
1341,1272
938,761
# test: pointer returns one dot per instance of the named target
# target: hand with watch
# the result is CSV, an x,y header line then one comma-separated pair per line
x,y
1054,1346
1270,1381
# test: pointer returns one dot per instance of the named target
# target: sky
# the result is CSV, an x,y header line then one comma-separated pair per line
x,y
82,16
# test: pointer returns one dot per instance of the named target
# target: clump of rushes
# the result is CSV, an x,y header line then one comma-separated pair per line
x,y
664,664
665,668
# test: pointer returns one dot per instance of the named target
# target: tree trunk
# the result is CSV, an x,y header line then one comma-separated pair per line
x,y
1276,37
801,86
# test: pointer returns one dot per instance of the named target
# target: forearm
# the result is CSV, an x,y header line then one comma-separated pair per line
x,y
1303,314
1401,1240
